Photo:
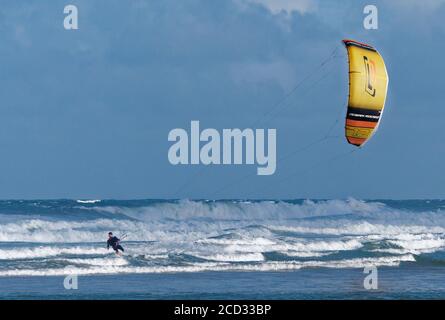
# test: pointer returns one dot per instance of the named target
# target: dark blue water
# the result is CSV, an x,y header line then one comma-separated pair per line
x,y
404,282
223,250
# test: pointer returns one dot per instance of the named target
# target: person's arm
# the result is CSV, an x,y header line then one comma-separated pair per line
x,y
108,244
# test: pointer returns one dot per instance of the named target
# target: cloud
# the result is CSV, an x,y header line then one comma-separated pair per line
x,y
423,6
287,6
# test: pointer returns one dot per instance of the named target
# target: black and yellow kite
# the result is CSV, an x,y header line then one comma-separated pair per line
x,y
368,86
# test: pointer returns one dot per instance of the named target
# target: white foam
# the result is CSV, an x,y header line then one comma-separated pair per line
x,y
115,261
303,246
241,242
47,251
361,228
264,210
154,256
88,201
181,222
234,235
38,230
246,257
422,244
265,266
306,254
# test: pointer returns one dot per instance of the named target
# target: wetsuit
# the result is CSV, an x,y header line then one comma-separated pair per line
x,y
114,243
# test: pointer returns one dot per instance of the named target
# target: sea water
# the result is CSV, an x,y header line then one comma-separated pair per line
x,y
201,249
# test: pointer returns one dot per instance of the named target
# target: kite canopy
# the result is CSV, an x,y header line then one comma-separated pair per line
x,y
368,85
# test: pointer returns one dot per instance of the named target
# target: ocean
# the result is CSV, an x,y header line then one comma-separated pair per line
x,y
227,249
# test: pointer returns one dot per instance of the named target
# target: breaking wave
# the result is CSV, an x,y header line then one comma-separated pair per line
x,y
64,236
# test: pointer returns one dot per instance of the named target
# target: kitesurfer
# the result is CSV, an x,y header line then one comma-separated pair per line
x,y
114,241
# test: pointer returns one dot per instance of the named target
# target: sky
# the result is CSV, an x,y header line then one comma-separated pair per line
x,y
86,113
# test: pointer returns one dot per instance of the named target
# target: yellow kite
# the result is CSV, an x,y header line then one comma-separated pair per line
x,y
368,86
